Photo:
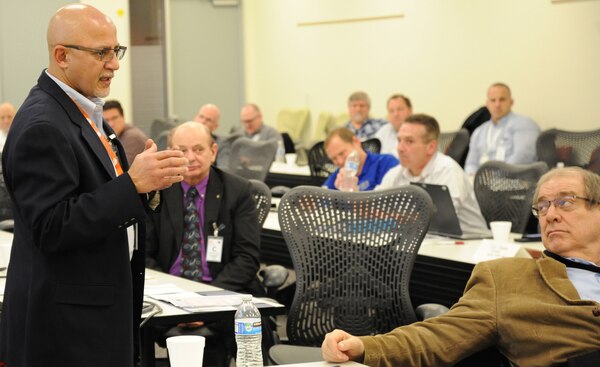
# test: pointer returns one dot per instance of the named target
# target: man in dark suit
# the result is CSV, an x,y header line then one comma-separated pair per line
x,y
228,206
228,234
75,279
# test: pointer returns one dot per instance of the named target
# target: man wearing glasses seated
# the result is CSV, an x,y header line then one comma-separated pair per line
x,y
543,312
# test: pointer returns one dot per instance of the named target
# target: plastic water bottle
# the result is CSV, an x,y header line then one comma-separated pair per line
x,y
350,170
248,334
280,153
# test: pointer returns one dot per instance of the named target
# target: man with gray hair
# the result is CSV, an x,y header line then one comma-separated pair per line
x,y
364,127
537,312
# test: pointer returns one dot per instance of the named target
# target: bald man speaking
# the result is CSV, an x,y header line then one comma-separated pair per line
x,y
75,278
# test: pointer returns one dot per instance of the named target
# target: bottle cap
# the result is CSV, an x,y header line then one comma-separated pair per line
x,y
246,297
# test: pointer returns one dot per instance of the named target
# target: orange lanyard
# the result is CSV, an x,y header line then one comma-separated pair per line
x,y
111,153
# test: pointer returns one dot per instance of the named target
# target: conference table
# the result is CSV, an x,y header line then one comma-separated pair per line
x,y
291,175
180,300
169,300
440,272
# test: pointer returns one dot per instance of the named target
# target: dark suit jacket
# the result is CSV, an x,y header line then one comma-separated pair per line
x,y
72,297
228,202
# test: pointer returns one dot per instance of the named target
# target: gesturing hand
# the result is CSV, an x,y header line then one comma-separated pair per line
x,y
153,170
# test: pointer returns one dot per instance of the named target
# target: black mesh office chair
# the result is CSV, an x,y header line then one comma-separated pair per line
x,y
320,165
252,159
372,145
224,151
455,144
504,191
570,148
262,196
353,254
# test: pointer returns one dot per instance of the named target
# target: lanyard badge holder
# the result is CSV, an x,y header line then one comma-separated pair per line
x,y
214,247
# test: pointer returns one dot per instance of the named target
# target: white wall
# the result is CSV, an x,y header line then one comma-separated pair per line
x,y
443,54
24,53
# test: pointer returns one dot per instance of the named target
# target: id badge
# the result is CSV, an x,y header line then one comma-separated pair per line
x,y
214,249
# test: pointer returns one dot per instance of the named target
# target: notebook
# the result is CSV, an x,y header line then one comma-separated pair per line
x,y
444,221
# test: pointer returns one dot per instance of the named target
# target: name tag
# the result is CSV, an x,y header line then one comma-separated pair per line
x,y
214,249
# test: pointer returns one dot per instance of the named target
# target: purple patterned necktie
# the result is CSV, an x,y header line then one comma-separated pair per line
x,y
191,259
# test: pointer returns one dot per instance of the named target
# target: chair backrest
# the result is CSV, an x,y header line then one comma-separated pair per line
x,y
476,119
224,150
160,125
455,144
262,196
353,254
372,145
504,191
288,143
295,122
570,148
320,165
324,122
252,159
341,119
162,140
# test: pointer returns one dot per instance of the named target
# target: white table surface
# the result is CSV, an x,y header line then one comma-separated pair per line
x,y
289,169
439,247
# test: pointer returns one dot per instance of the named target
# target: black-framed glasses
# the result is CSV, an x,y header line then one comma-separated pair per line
x,y
104,54
565,203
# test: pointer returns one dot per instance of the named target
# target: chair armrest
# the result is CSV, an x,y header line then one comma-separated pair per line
x,y
274,276
428,310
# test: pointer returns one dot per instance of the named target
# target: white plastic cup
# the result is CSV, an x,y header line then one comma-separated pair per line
x,y
501,230
290,158
186,350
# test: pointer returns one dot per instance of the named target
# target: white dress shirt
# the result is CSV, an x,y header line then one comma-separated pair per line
x,y
443,170
389,139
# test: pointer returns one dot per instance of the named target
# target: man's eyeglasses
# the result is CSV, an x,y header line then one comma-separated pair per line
x,y
564,203
104,54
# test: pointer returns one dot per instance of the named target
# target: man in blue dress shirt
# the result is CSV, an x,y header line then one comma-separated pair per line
x,y
505,137
372,167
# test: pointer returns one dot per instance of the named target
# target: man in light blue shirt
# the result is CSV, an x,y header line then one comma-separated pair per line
x,y
505,137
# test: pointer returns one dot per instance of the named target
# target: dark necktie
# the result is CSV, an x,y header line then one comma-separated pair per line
x,y
191,259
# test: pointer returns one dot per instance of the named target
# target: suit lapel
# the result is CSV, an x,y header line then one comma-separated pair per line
x,y
554,274
77,118
212,202
173,200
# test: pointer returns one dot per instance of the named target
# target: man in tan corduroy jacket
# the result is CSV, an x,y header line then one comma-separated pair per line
x,y
537,312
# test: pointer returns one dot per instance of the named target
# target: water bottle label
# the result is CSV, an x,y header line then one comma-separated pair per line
x,y
248,328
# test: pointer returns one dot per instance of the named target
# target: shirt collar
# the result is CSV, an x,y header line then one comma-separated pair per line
x,y
504,120
91,106
200,186
427,170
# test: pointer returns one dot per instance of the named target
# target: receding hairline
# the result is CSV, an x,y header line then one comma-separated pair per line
x,y
203,129
501,85
66,24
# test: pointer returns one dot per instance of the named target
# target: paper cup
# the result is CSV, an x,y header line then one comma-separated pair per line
x,y
290,158
501,230
185,350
